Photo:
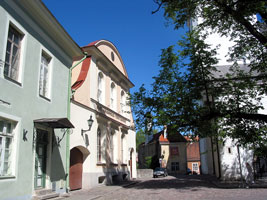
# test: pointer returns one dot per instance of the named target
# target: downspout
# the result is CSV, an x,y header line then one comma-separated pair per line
x,y
68,115
212,154
219,158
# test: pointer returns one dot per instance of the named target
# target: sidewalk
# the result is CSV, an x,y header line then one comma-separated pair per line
x,y
99,191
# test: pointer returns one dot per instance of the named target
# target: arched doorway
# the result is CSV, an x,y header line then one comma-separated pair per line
x,y
76,169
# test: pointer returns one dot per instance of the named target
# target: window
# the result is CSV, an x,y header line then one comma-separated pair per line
x,y
175,166
44,76
100,87
98,145
11,68
174,151
229,150
195,167
6,143
123,102
112,96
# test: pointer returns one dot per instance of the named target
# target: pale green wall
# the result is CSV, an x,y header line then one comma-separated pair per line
x,y
26,104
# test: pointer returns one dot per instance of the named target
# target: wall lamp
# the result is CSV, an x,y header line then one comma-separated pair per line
x,y
90,123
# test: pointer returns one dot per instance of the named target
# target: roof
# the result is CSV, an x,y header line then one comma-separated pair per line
x,y
171,137
83,74
40,14
190,138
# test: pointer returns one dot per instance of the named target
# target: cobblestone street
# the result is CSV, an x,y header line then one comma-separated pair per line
x,y
182,187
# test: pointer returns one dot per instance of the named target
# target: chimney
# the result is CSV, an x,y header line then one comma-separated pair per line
x,y
165,131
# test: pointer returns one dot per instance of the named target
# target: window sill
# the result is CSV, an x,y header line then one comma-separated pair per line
x,y
7,177
12,80
101,164
114,164
43,97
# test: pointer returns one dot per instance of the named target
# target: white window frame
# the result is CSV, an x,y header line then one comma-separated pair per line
x,y
123,102
195,167
17,77
12,150
100,88
45,78
113,98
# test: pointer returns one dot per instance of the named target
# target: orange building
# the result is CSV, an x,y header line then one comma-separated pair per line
x,y
193,154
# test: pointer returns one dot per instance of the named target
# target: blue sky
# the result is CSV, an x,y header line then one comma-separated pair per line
x,y
138,35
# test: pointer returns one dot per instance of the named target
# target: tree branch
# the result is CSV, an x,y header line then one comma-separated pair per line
x,y
240,19
159,6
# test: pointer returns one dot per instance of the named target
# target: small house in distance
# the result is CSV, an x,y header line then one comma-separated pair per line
x,y
193,154
167,150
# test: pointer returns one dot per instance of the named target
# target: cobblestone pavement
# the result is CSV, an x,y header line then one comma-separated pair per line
x,y
168,188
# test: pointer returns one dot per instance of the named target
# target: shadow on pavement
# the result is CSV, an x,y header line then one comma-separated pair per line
x,y
190,182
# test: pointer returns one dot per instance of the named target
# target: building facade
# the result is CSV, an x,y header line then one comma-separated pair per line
x,y
35,56
226,159
193,154
166,150
105,152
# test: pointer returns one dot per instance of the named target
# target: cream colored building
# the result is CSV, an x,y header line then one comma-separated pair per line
x,y
167,150
105,152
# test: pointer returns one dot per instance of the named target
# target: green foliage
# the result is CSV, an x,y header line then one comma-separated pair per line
x,y
148,161
152,162
190,96
140,138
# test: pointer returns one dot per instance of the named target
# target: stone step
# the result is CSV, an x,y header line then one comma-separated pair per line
x,y
40,192
46,195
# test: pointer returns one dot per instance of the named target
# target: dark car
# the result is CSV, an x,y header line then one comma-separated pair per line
x,y
188,171
160,172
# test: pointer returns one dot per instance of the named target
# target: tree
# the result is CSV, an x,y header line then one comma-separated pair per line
x,y
232,18
189,97
140,138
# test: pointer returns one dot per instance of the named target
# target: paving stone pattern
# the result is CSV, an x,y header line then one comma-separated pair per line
x,y
170,188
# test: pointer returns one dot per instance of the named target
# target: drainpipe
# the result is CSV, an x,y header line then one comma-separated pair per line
x,y
68,115
219,158
212,154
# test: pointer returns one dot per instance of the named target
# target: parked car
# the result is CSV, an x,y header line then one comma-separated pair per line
x,y
158,171
188,171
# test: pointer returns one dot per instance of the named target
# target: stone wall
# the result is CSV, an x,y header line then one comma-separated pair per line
x,y
144,173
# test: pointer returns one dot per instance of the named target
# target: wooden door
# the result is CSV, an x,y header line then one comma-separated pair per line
x,y
76,169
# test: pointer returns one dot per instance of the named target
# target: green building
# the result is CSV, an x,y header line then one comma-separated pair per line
x,y
35,56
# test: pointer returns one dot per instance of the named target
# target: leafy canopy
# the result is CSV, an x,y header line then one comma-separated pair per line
x,y
194,96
